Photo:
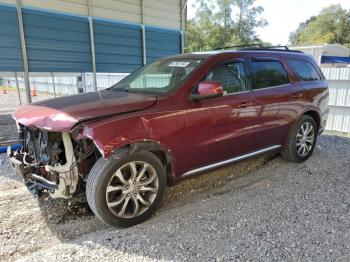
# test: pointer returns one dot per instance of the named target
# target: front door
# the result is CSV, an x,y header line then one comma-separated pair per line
x,y
221,128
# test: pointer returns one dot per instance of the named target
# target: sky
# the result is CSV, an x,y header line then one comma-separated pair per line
x,y
284,16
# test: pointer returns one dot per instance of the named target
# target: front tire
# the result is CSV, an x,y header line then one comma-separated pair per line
x,y
302,140
126,191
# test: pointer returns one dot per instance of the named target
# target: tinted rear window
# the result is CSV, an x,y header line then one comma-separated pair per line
x,y
268,74
304,70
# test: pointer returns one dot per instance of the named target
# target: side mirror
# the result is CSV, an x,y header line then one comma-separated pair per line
x,y
207,89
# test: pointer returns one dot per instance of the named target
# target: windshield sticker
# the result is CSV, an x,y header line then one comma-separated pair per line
x,y
179,64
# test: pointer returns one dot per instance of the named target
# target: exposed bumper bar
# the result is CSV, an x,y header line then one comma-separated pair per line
x,y
44,182
66,175
34,183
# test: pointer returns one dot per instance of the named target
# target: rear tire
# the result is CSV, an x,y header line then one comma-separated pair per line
x,y
126,191
302,140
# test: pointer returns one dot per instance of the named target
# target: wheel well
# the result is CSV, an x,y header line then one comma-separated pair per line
x,y
315,116
150,146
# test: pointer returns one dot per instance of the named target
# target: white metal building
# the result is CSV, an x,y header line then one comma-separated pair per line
x,y
339,99
335,63
334,55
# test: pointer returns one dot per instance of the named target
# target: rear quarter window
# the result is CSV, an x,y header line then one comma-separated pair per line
x,y
268,74
304,70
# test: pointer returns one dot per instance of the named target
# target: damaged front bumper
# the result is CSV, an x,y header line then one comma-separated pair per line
x,y
58,181
35,184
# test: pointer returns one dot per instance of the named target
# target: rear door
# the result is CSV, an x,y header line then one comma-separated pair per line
x,y
221,128
275,99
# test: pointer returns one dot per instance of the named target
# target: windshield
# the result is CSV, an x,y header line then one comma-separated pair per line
x,y
161,76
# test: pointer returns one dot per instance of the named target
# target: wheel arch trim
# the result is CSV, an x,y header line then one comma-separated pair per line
x,y
153,146
315,114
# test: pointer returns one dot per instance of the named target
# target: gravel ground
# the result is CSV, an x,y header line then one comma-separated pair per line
x,y
263,209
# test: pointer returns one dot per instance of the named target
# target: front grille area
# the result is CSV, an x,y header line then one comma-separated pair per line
x,y
42,147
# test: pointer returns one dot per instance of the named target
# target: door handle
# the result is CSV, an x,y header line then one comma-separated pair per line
x,y
297,95
245,104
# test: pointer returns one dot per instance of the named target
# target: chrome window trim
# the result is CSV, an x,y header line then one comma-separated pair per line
x,y
227,95
270,87
237,93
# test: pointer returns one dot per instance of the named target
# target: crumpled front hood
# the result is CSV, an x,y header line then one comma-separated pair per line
x,y
61,114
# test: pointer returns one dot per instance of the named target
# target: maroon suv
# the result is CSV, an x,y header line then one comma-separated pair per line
x,y
170,120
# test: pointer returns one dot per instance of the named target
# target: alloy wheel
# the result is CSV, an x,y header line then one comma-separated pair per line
x,y
132,189
305,139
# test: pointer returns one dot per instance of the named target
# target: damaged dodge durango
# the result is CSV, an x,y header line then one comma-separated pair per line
x,y
170,120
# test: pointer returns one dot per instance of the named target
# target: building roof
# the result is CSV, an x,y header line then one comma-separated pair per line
x,y
321,46
327,54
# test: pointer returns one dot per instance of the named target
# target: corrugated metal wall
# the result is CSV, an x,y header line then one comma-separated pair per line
x,y
161,43
57,34
336,73
70,6
162,13
56,42
339,99
10,47
127,10
118,46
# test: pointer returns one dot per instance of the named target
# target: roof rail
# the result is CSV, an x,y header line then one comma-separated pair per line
x,y
237,46
260,47
277,48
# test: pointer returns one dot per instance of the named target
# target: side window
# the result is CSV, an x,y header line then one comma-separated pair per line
x,y
268,74
304,70
231,76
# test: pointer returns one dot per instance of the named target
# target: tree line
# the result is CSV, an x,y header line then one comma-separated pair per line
x,y
221,23
331,26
